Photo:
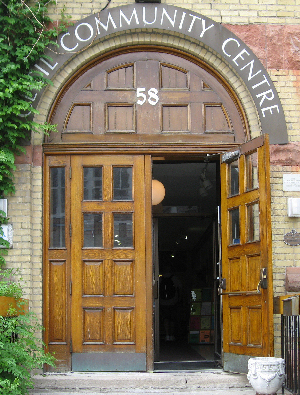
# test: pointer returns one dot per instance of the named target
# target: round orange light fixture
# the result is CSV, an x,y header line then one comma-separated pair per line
x,y
158,192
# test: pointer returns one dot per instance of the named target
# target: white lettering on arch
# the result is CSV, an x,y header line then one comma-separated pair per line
x,y
194,17
212,34
204,29
225,44
240,55
63,44
263,110
90,29
105,27
122,15
144,16
264,81
267,95
172,21
182,19
251,75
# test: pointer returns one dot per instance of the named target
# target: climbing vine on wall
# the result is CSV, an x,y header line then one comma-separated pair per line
x,y
24,35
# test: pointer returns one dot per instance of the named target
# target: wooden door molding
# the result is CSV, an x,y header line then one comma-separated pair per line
x,y
246,251
56,268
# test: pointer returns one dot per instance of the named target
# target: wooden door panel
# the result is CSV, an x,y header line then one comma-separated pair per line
x,y
108,278
235,271
173,77
255,322
57,302
246,250
122,77
123,283
236,327
254,265
123,325
245,320
93,278
93,326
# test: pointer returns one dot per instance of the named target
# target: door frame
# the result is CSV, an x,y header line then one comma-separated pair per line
x,y
181,152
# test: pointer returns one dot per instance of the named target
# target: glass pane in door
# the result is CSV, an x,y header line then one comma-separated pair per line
x,y
123,230
234,178
251,171
92,230
57,207
253,222
92,184
234,221
122,183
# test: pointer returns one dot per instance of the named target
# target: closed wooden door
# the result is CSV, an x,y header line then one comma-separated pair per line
x,y
96,285
247,292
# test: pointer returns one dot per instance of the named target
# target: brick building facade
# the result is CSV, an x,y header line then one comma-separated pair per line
x,y
270,29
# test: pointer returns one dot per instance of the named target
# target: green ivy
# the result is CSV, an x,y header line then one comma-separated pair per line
x,y
24,35
20,352
9,286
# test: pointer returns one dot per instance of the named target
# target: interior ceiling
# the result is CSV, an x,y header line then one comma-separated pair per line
x,y
185,193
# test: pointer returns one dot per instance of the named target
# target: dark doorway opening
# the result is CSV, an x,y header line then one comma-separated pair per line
x,y
186,253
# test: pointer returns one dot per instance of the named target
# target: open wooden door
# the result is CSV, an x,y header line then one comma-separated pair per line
x,y
246,284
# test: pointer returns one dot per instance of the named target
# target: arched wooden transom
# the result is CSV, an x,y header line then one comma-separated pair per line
x,y
148,96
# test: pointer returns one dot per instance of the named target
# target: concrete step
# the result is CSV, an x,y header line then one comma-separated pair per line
x,y
195,382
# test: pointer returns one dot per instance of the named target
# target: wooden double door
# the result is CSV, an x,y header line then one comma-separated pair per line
x,y
97,206
98,260
95,261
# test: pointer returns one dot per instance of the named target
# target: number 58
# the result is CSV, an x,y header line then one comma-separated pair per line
x,y
151,96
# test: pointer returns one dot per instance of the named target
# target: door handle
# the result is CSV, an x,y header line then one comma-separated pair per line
x,y
222,284
263,278
262,284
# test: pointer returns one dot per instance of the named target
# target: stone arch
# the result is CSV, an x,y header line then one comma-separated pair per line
x,y
172,26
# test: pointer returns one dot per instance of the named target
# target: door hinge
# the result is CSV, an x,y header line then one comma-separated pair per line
x,y
70,287
70,230
70,172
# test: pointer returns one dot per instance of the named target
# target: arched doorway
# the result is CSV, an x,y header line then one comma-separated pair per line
x,y
115,117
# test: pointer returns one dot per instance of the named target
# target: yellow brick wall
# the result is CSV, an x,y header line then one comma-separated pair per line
x,y
25,213
224,11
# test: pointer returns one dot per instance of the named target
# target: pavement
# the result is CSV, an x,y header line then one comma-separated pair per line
x,y
200,382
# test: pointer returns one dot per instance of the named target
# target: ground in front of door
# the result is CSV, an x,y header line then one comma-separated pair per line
x,y
203,382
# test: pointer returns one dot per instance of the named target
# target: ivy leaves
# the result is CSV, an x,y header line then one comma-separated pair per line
x,y
24,35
